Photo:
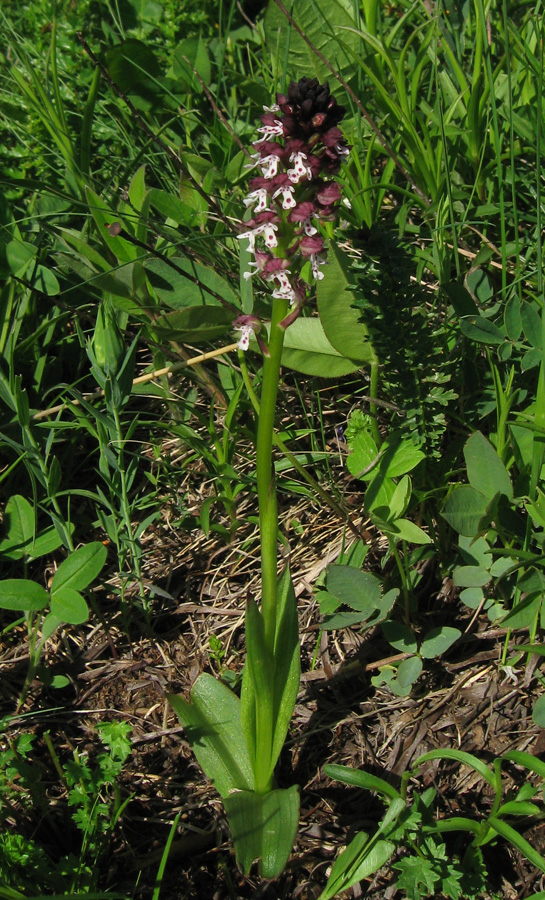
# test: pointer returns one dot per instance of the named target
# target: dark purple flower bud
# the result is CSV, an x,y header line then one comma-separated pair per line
x,y
309,245
270,148
332,137
275,264
330,193
302,212
262,218
259,183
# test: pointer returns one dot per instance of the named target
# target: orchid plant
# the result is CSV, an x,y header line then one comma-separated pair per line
x,y
238,742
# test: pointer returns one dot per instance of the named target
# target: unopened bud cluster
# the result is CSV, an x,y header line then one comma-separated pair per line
x,y
299,151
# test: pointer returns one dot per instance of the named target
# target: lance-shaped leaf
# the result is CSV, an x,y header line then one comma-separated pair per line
x,y
213,728
287,662
264,828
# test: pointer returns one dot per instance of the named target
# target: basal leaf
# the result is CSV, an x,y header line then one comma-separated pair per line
x,y
264,827
213,728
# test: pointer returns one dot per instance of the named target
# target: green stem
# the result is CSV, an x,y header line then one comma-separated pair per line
x,y
266,488
292,459
373,392
126,508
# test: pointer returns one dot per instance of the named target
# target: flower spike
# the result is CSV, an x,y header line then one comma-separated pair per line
x,y
299,151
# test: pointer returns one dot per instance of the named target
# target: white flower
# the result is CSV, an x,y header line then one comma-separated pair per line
x,y
269,131
259,197
268,232
315,263
269,166
309,228
246,332
300,170
250,237
288,200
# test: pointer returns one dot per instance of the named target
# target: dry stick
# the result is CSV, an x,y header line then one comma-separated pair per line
x,y
142,379
173,156
382,140
217,110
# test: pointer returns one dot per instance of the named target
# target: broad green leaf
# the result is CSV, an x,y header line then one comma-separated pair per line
x,y
472,597
307,350
191,54
46,282
201,287
359,590
22,594
475,552
46,541
339,620
171,207
482,330
194,325
400,456
461,299
531,324
213,728
524,613
479,285
512,318
321,23
80,568
438,641
464,509
68,605
400,636
400,498
19,255
19,522
519,808
49,625
405,530
134,67
527,760
485,470
538,712
408,671
470,576
264,827
340,319
362,462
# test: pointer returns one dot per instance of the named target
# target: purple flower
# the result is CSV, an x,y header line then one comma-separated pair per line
x,y
300,147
